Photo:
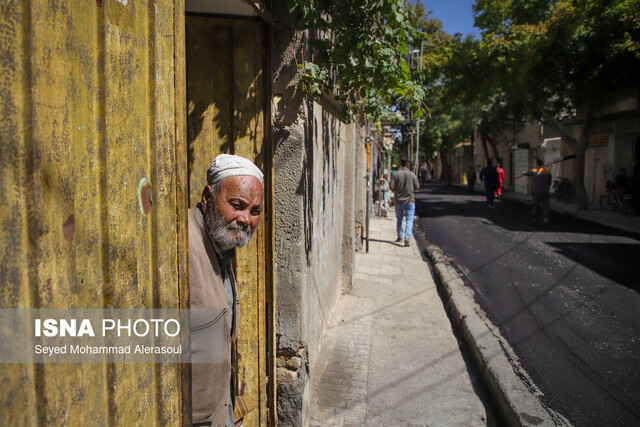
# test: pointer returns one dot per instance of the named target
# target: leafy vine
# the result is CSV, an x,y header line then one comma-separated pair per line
x,y
359,55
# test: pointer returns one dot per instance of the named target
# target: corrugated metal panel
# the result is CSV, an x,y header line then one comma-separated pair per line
x,y
91,153
226,114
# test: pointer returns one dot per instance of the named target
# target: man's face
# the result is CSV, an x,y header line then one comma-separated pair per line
x,y
233,216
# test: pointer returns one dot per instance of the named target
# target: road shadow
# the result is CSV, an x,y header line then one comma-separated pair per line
x,y
512,215
600,257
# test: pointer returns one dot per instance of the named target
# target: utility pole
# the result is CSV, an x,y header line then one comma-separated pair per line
x,y
416,167
410,148
417,144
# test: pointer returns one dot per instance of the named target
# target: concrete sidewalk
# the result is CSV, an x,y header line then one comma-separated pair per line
x,y
389,357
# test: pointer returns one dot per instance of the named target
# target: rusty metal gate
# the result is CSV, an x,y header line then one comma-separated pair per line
x,y
227,112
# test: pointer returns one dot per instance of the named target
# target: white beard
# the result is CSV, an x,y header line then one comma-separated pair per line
x,y
227,235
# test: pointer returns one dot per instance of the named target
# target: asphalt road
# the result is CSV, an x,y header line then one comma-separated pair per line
x,y
566,298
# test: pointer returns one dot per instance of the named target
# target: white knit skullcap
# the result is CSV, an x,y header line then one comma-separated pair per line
x,y
226,165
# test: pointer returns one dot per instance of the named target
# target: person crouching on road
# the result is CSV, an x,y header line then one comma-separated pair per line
x,y
540,182
226,218
404,184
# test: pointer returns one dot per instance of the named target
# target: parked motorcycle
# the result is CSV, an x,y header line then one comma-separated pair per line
x,y
563,189
614,198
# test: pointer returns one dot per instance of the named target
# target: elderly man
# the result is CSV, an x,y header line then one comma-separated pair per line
x,y
226,218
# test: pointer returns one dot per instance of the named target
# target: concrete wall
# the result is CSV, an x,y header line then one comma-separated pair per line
x,y
314,201
360,184
323,238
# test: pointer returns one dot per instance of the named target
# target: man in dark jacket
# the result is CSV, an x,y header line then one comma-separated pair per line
x,y
540,182
489,175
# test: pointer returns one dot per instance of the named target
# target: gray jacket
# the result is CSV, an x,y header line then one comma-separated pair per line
x,y
211,382
404,184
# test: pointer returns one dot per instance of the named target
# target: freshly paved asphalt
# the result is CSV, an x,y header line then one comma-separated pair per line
x,y
566,298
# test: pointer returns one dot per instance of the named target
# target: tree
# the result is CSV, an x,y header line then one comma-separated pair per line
x,y
461,89
558,59
359,54
467,83
450,120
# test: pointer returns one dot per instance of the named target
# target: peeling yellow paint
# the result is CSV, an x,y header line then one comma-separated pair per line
x,y
78,80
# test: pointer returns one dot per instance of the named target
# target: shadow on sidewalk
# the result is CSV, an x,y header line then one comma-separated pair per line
x,y
372,312
391,242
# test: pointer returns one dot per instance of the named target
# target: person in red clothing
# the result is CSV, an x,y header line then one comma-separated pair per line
x,y
498,191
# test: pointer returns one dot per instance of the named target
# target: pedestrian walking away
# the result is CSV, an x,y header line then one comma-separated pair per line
x,y
226,218
540,182
404,184
489,176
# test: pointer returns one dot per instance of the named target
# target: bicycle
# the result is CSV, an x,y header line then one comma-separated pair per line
x,y
613,199
563,190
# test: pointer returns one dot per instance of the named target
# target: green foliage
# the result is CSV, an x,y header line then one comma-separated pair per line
x,y
451,119
359,54
559,59
545,59
498,16
449,124
562,55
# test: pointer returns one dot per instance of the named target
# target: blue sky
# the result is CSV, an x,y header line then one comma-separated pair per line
x,y
456,15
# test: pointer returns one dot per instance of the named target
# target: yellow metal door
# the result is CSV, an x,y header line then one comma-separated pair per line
x,y
226,106
93,182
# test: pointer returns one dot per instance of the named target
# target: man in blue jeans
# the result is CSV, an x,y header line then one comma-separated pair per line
x,y
404,184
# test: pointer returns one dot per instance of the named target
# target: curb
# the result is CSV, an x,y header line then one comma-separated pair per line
x,y
517,399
